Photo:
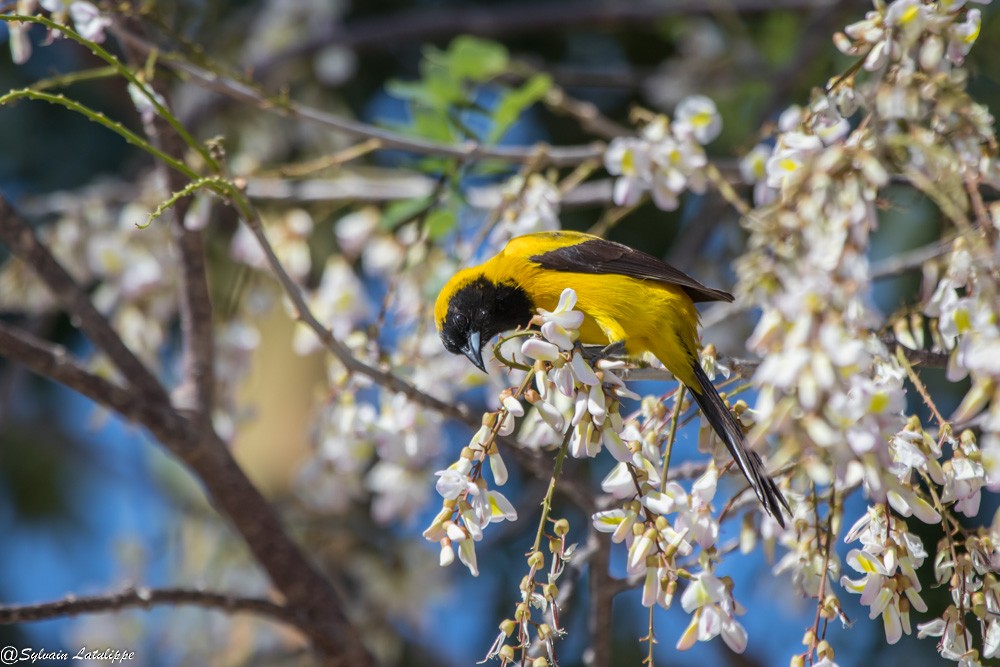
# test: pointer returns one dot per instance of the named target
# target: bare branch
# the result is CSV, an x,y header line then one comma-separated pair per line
x,y
602,596
911,259
496,20
468,151
56,363
384,378
197,389
146,598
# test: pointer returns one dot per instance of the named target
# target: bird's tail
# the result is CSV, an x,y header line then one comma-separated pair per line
x,y
749,462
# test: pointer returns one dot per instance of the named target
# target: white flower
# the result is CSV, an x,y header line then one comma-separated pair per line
x,y
961,36
627,158
88,21
791,151
953,645
714,614
536,208
561,325
698,116
453,482
536,348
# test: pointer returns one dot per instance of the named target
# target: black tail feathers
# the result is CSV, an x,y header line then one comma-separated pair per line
x,y
749,462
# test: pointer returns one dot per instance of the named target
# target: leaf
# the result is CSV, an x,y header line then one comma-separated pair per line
x,y
475,59
433,124
397,213
414,91
440,222
513,104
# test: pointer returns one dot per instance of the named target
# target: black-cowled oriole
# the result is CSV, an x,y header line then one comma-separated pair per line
x,y
627,296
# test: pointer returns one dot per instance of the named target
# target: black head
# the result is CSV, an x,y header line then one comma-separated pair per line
x,y
479,310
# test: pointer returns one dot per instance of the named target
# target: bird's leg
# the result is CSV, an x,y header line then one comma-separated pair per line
x,y
614,349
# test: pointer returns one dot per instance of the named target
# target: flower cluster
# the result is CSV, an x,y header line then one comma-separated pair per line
x,y
917,49
661,523
830,390
576,403
667,157
807,268
888,558
655,543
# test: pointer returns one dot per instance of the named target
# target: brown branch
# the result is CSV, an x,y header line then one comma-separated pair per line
x,y
926,358
23,244
146,598
322,615
196,391
383,378
383,31
602,596
56,363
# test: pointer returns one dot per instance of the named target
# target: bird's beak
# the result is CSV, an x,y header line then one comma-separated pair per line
x,y
473,350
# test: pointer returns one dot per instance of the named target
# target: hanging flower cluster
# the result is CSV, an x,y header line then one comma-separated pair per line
x,y
830,390
568,396
667,157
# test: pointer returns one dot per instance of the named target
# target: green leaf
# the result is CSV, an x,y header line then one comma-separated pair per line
x,y
476,59
440,222
411,91
396,213
432,124
515,102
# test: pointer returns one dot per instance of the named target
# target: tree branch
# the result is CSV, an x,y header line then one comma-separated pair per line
x,y
197,445
56,363
147,598
467,151
911,259
197,389
383,378
383,31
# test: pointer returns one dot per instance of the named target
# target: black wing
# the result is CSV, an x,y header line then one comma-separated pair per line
x,y
597,255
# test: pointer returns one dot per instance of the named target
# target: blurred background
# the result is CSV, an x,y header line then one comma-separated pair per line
x,y
89,504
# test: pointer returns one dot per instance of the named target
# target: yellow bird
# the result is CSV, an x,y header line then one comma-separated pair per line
x,y
628,297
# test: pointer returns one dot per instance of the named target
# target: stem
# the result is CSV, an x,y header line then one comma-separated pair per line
x,y
116,127
547,500
672,434
125,73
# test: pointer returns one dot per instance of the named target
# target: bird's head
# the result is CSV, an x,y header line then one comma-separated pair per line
x,y
471,309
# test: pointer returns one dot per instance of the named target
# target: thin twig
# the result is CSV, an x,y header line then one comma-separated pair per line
x,y
146,598
468,151
197,389
910,259
383,378
386,31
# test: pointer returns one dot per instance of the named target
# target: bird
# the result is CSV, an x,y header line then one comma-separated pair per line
x,y
629,299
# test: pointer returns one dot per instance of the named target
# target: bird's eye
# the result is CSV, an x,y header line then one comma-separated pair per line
x,y
460,320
